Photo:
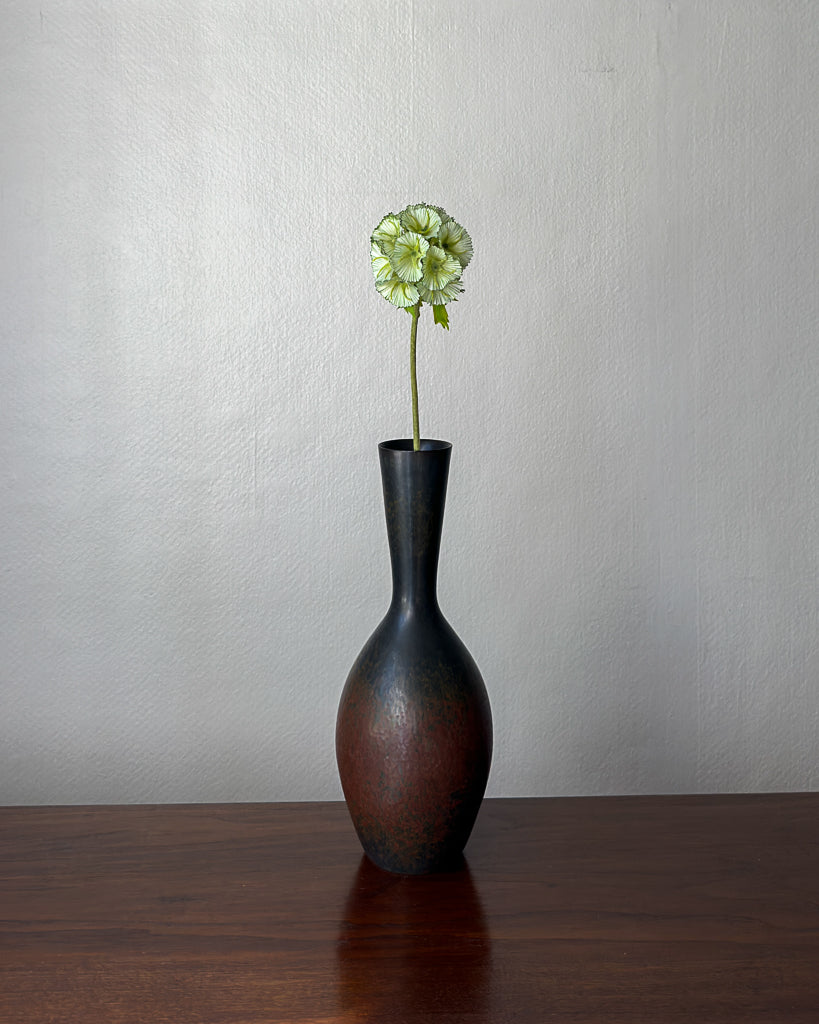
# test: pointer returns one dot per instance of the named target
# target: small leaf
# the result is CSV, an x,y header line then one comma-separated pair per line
x,y
440,316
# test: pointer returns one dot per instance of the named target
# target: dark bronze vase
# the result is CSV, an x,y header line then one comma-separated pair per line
x,y
414,728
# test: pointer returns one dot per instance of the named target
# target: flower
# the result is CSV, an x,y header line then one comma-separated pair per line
x,y
418,256
386,233
424,247
398,292
424,220
440,268
440,296
455,241
408,254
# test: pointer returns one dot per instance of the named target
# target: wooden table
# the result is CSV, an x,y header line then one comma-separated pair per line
x,y
633,909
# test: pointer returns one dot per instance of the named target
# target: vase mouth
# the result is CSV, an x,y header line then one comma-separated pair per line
x,y
404,444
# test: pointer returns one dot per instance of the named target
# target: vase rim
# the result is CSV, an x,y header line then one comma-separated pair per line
x,y
404,444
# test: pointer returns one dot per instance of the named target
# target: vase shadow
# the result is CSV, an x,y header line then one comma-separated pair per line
x,y
413,947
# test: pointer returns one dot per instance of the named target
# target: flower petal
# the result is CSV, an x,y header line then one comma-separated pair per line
x,y
455,241
399,293
389,228
440,296
382,268
422,219
440,268
407,257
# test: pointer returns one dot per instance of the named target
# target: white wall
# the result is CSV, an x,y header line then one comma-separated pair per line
x,y
195,370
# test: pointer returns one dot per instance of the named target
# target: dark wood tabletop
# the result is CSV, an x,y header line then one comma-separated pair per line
x,y
619,909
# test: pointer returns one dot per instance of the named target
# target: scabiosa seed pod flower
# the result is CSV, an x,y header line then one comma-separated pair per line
x,y
418,256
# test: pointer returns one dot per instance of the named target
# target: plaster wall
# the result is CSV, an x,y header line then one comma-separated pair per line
x,y
195,370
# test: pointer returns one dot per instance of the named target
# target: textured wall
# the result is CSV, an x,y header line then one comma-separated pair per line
x,y
195,370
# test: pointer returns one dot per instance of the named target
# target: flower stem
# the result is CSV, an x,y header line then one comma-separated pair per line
x,y
416,432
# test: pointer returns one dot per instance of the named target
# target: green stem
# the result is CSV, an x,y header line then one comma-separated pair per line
x,y
416,432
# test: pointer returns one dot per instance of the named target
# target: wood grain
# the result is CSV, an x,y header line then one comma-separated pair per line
x,y
632,910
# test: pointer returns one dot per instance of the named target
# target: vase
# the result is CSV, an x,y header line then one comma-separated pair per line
x,y
414,727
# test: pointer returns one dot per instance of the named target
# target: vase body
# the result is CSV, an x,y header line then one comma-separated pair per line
x,y
414,728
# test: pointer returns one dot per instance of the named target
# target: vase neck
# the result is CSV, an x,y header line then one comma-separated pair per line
x,y
414,497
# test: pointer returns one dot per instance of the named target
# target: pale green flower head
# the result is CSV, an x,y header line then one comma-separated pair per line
x,y
418,256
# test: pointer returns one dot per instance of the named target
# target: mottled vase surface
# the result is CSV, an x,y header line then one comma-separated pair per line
x,y
414,728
